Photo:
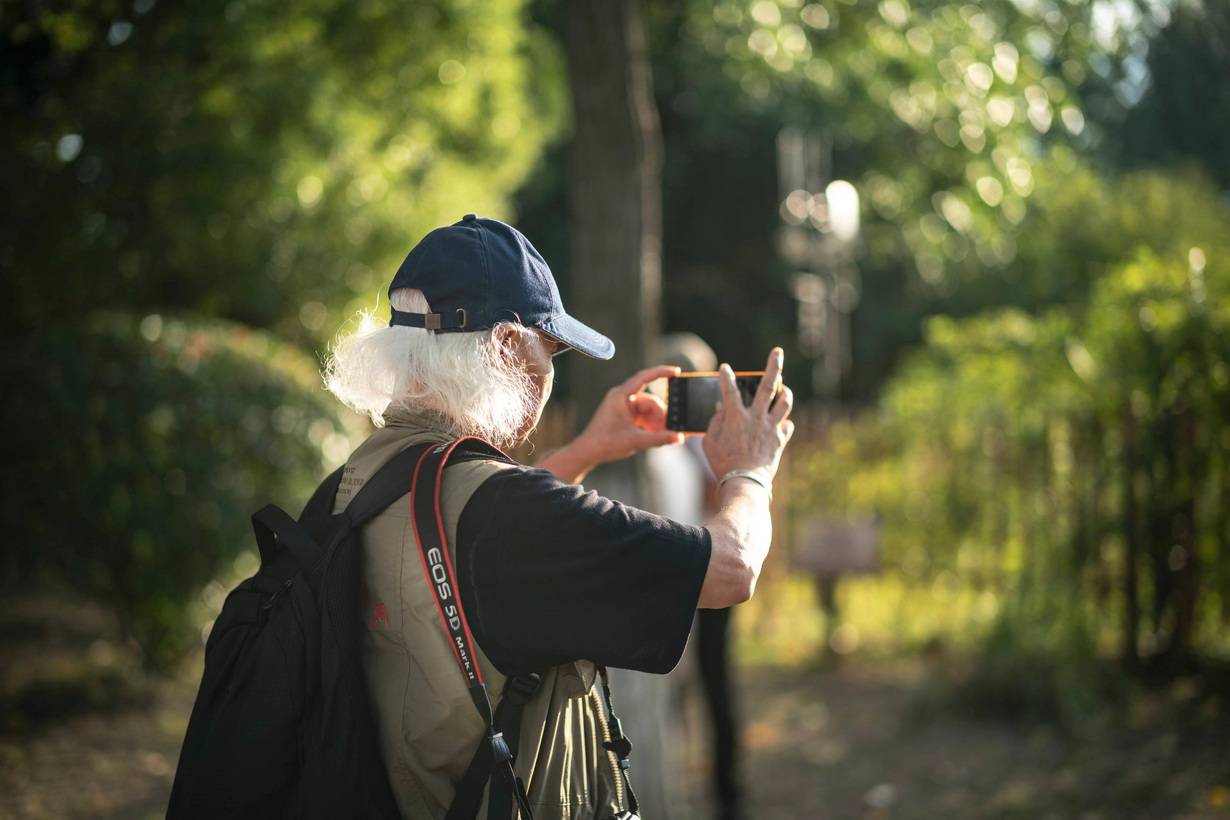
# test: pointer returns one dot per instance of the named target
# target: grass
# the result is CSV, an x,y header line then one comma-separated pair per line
x,y
880,616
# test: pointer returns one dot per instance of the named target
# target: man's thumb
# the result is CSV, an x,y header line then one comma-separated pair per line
x,y
662,438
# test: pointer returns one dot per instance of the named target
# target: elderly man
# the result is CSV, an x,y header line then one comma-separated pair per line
x,y
554,580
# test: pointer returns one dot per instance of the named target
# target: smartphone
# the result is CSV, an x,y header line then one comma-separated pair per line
x,y
691,398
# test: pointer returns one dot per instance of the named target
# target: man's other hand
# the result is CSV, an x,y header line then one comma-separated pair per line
x,y
629,420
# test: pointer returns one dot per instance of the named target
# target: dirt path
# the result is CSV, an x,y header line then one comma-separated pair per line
x,y
820,744
110,765
849,744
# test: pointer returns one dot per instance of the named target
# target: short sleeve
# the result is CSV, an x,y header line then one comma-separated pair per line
x,y
550,574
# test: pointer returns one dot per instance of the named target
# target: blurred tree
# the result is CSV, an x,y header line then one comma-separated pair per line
x,y
941,113
1081,225
614,187
1181,117
1159,367
264,161
935,111
615,222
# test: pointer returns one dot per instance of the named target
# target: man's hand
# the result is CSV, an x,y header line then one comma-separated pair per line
x,y
744,438
627,421
751,438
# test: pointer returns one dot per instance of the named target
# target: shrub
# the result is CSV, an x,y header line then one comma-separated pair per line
x,y
138,450
1080,451
1037,663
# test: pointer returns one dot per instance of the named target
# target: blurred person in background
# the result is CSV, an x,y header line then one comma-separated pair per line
x,y
555,580
680,486
683,488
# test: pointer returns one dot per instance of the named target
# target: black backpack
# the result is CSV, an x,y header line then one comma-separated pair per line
x,y
282,726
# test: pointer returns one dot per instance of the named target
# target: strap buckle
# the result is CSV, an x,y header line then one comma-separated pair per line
x,y
619,744
499,748
622,747
435,322
521,689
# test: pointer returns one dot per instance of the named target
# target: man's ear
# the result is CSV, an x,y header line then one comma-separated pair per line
x,y
506,340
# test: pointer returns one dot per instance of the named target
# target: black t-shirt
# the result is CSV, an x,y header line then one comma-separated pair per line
x,y
550,573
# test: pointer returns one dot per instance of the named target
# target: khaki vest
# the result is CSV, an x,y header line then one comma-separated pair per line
x,y
427,724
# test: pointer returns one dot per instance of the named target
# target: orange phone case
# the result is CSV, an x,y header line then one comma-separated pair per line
x,y
716,373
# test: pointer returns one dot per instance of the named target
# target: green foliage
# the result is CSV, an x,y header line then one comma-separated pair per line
x,y
968,128
935,109
263,161
942,114
1079,453
140,449
1082,225
1038,661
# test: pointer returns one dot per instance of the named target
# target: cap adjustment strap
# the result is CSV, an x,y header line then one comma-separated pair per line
x,y
437,322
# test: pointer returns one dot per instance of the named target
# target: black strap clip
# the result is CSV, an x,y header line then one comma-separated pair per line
x,y
499,748
521,689
622,747
619,744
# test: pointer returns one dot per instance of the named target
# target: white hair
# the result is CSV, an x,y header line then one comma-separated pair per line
x,y
463,379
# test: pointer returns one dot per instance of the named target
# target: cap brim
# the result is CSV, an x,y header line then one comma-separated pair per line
x,y
579,336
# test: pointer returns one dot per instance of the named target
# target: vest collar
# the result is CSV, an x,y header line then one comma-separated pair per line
x,y
417,423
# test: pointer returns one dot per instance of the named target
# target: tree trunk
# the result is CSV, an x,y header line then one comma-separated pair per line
x,y
615,222
1185,562
1222,520
1131,544
614,190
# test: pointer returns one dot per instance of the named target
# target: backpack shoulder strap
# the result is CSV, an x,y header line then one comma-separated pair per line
x,y
389,483
275,531
321,503
428,525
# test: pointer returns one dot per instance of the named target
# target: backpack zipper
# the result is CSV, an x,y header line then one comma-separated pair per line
x,y
268,605
616,772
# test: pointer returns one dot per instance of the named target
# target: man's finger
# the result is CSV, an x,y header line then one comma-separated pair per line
x,y
769,382
730,389
781,408
648,411
646,403
715,423
643,377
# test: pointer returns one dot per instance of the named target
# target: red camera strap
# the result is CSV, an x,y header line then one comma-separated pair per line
x,y
425,509
428,523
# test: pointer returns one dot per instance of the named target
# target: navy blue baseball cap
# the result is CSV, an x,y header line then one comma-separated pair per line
x,y
479,272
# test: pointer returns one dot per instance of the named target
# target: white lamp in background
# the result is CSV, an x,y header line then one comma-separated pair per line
x,y
842,200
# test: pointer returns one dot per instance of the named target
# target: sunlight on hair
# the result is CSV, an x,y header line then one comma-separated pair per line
x,y
461,378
